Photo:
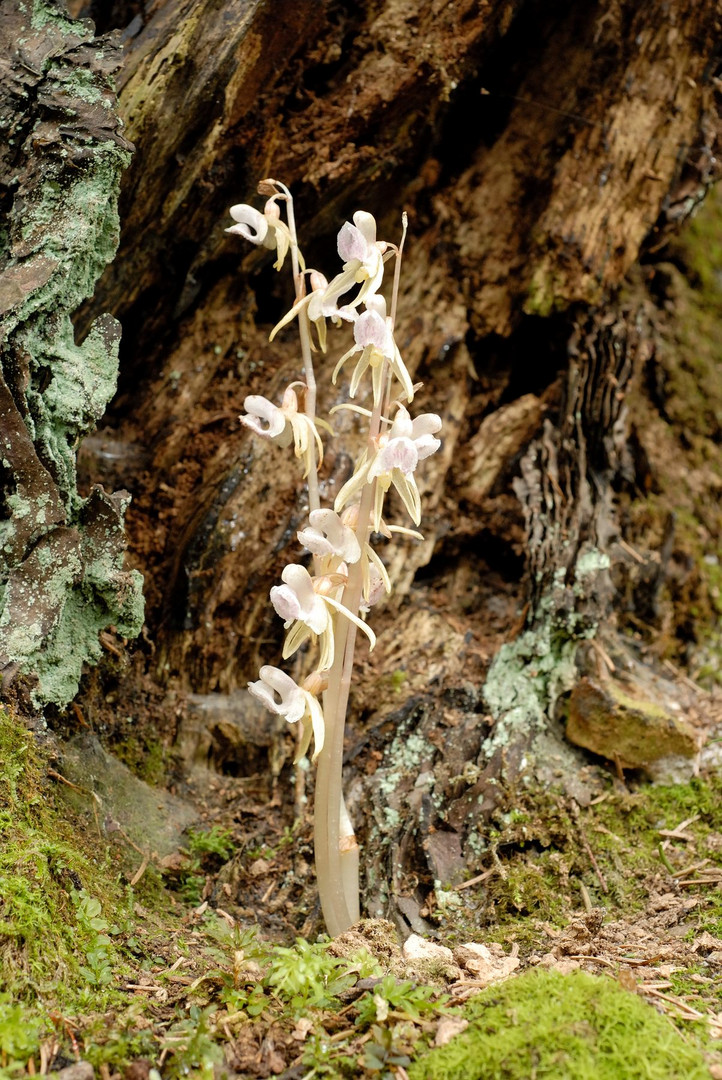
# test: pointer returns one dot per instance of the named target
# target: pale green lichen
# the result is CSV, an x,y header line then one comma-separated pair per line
x,y
529,674
66,232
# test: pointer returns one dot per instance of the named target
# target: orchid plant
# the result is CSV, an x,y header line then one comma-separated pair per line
x,y
325,606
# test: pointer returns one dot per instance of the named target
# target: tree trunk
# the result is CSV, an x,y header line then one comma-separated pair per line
x,y
545,153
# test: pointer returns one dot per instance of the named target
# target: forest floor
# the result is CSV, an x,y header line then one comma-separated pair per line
x,y
194,965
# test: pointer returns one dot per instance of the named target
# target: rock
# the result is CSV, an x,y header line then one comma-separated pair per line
x,y
634,731
418,948
427,960
487,964
153,819
79,1070
231,733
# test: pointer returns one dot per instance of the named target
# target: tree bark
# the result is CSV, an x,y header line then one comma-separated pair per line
x,y
541,150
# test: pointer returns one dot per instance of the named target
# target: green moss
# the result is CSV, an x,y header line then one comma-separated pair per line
x,y
569,1027
54,938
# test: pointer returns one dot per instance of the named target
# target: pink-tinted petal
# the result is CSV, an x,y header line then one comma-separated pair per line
x,y
351,244
312,608
286,603
399,454
370,329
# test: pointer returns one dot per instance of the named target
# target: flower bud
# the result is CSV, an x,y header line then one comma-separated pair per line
x,y
317,281
315,683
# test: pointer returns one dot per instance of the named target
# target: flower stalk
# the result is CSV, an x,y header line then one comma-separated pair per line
x,y
324,608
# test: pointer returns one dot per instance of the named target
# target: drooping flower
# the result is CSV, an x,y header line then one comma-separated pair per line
x,y
266,228
394,462
284,422
327,536
363,265
317,309
282,696
375,587
305,604
374,339
363,260
296,600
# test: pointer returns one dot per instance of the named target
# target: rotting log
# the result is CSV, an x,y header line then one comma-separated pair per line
x,y
541,150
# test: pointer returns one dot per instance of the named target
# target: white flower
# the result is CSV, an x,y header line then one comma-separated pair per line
x,y
363,265
266,228
375,341
397,454
374,587
260,409
363,262
283,423
327,535
318,309
279,693
407,443
305,605
297,600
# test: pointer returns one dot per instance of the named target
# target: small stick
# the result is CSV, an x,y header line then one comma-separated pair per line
x,y
140,871
476,880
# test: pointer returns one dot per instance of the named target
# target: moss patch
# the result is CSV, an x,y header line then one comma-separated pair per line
x,y
577,1026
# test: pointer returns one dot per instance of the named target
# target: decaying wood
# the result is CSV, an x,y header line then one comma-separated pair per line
x,y
539,150
529,197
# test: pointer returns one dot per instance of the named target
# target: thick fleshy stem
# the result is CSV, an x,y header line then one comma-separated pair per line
x,y
336,850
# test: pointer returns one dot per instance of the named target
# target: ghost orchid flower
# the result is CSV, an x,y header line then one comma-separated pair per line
x,y
398,452
363,260
283,423
328,536
282,696
305,605
315,307
266,228
374,339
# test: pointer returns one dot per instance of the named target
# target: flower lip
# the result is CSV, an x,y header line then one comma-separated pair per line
x,y
357,242
352,244
296,599
370,329
252,225
275,684
286,603
261,409
399,453
327,535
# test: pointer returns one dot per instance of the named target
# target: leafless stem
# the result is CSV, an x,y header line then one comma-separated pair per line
x,y
304,332
335,846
